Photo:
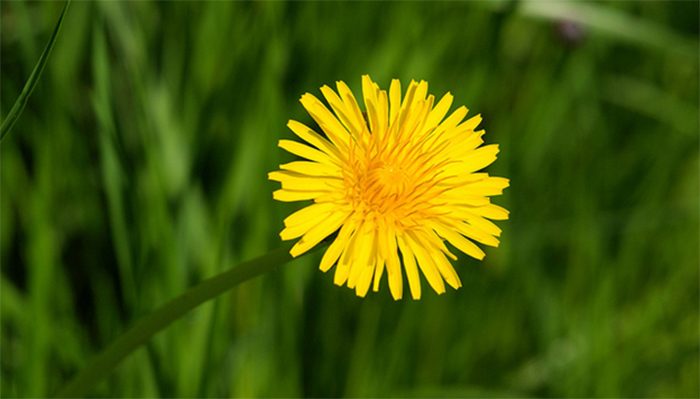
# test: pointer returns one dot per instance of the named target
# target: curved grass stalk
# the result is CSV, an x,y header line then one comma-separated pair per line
x,y
21,101
149,325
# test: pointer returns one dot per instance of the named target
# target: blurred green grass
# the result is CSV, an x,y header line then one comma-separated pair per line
x,y
139,167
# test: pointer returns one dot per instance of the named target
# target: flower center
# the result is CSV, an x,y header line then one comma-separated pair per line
x,y
395,184
391,180
379,189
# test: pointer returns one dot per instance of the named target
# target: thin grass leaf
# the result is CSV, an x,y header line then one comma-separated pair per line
x,y
21,101
613,23
142,331
653,101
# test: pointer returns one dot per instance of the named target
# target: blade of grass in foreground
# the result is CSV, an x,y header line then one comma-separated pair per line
x,y
149,325
21,101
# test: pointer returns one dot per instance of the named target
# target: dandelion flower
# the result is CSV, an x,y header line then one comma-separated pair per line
x,y
397,183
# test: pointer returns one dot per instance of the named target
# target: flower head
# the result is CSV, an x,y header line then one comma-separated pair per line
x,y
396,183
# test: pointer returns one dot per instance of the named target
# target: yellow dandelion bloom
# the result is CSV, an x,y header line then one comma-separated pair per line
x,y
395,185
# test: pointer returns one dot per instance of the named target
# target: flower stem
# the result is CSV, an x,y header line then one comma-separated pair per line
x,y
149,325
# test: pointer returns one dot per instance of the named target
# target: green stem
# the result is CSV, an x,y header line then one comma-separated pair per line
x,y
149,325
21,101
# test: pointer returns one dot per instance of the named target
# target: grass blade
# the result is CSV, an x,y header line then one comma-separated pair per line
x,y
165,315
21,101
609,21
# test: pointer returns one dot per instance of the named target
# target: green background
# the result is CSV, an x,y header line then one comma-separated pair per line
x,y
139,168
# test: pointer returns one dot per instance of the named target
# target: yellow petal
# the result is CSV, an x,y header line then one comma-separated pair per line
x,y
310,136
485,225
393,265
407,103
343,269
394,100
471,123
312,169
452,121
337,247
437,250
425,262
305,151
325,120
433,239
382,114
456,198
291,196
481,158
364,280
299,182
492,211
483,188
464,144
311,212
461,243
345,115
378,274
439,112
477,235
364,251
299,229
318,233
409,264
351,105
369,92
421,92
447,271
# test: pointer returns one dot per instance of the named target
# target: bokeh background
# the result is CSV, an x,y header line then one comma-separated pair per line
x,y
139,168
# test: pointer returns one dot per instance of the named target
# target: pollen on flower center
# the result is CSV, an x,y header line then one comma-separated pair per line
x,y
391,178
384,181
380,188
